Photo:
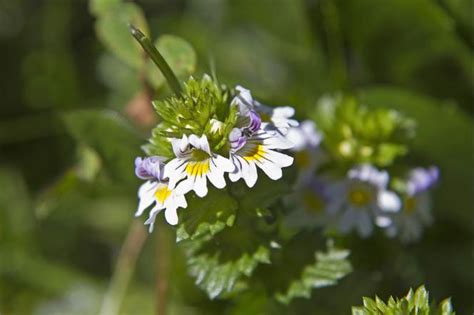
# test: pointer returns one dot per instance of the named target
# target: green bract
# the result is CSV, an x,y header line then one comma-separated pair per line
x,y
416,302
202,109
354,133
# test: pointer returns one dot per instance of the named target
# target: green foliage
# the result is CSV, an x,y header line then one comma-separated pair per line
x,y
110,136
355,134
202,104
206,215
112,29
413,303
178,53
329,267
223,277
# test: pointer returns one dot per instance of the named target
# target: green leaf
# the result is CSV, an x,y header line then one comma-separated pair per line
x,y
218,277
329,267
112,29
101,7
108,134
208,215
179,55
412,303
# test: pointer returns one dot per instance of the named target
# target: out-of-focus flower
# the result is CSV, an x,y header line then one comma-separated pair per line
x,y
308,203
157,191
416,206
361,198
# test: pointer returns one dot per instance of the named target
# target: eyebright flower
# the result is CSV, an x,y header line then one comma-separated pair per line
x,y
195,163
156,190
306,141
252,146
274,118
416,205
361,198
308,203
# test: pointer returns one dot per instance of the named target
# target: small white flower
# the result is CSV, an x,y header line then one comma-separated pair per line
x,y
195,163
416,207
156,191
257,150
306,141
308,203
276,119
361,199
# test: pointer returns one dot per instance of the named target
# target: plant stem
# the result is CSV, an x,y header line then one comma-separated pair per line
x,y
163,255
157,58
124,268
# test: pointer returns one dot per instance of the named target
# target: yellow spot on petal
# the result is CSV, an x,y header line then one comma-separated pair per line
x,y
313,203
409,205
162,193
360,197
257,153
197,168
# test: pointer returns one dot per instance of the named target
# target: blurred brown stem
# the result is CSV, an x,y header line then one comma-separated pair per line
x,y
124,268
163,260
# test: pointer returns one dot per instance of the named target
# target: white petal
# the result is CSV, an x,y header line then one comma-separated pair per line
x,y
200,185
250,173
364,224
171,215
272,170
200,143
383,221
347,221
175,170
223,164
146,193
216,176
238,168
179,145
279,159
389,201
152,217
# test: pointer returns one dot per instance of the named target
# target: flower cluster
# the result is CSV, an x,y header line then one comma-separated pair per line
x,y
359,201
210,137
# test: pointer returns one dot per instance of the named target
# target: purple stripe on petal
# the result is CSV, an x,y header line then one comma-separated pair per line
x,y
149,168
421,179
237,139
255,122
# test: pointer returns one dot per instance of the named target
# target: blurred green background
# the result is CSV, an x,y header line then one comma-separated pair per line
x,y
73,117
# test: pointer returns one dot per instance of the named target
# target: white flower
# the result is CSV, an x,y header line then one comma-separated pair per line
x,y
305,136
276,119
308,203
416,206
156,191
306,141
361,199
164,198
195,163
257,150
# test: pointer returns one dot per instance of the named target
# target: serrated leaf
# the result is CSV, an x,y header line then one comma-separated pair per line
x,y
412,303
329,267
210,214
108,134
217,277
112,29
178,53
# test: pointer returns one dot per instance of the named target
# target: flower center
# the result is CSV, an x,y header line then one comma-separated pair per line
x,y
199,155
162,193
360,197
409,205
313,203
302,159
198,168
255,153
